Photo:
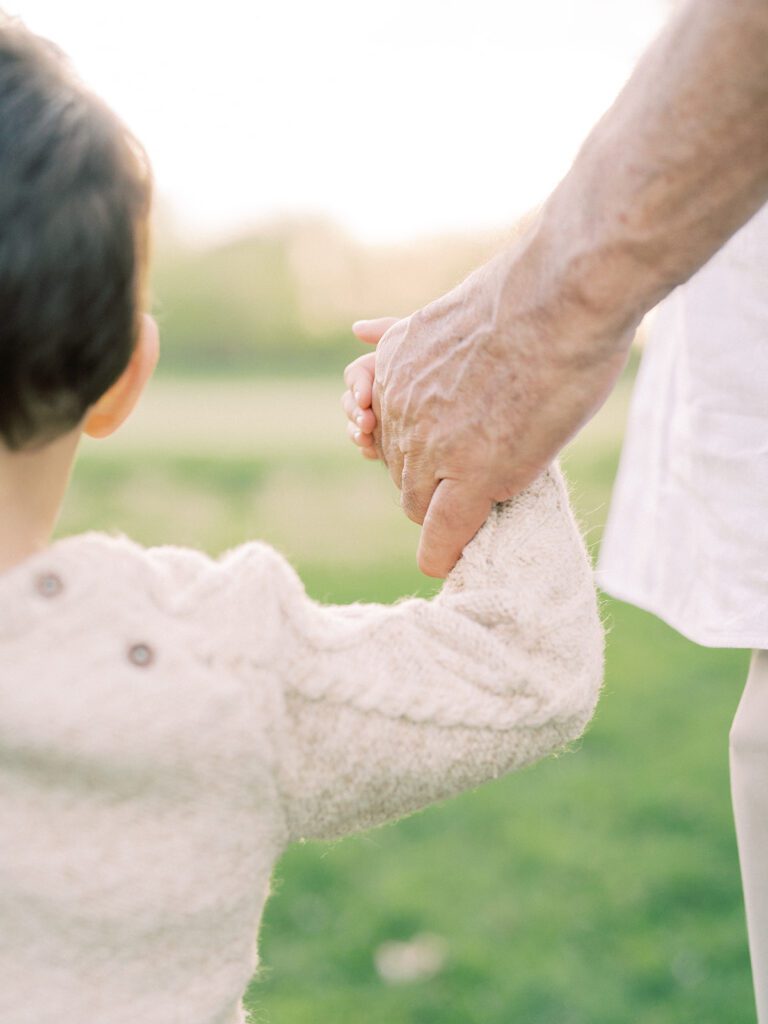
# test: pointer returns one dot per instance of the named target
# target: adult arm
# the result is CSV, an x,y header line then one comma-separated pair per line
x,y
476,392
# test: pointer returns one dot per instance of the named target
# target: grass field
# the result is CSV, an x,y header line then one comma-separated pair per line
x,y
600,887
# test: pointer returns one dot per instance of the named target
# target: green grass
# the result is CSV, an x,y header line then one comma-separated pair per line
x,y
599,887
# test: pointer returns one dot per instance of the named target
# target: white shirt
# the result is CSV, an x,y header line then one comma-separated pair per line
x,y
687,535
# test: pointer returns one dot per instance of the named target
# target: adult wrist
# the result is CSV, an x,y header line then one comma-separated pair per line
x,y
574,289
605,271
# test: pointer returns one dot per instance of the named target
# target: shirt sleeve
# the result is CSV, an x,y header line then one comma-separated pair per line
x,y
385,709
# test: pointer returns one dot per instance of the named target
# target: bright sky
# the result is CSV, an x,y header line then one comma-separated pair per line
x,y
396,119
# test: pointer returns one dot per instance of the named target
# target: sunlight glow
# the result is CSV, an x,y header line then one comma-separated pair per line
x,y
395,120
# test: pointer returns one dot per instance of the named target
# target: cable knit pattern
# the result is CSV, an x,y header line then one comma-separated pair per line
x,y
168,723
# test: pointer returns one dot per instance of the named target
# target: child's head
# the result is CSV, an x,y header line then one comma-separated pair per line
x,y
74,202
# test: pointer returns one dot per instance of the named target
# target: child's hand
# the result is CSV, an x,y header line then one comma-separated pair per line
x,y
359,376
357,401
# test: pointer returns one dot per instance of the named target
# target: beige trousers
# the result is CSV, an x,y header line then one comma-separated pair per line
x,y
749,787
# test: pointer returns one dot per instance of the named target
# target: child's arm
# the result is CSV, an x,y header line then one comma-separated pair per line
x,y
382,710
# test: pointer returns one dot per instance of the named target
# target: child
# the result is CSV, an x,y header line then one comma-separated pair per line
x,y
169,723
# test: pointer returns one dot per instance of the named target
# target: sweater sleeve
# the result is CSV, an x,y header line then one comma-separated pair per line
x,y
385,709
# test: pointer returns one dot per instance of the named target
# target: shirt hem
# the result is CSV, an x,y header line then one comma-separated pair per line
x,y
704,638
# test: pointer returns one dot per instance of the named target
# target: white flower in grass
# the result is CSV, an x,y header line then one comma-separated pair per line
x,y
417,959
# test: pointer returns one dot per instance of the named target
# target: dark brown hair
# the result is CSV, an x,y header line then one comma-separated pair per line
x,y
74,201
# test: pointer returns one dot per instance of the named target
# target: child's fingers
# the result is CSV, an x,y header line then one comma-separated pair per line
x,y
369,453
365,420
349,405
372,331
358,437
362,418
358,377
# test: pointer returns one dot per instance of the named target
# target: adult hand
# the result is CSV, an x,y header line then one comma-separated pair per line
x,y
475,394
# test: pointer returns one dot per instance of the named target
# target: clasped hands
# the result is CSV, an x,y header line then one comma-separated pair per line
x,y
470,398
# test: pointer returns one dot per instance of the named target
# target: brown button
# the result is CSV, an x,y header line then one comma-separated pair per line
x,y
141,655
49,584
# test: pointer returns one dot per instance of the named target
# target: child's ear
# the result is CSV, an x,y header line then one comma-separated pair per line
x,y
114,406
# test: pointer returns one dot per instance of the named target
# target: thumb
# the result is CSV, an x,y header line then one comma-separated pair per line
x,y
372,331
455,514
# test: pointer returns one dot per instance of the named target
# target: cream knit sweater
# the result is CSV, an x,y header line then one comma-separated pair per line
x,y
168,723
